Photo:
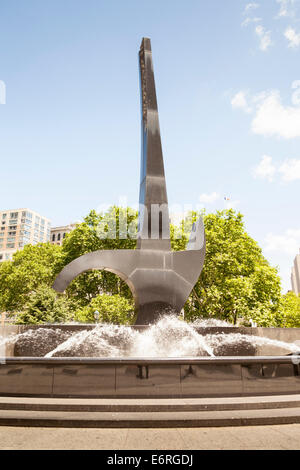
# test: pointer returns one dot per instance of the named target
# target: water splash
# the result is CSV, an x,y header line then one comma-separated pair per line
x,y
230,343
211,322
102,341
168,337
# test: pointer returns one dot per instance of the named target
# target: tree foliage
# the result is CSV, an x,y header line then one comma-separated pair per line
x,y
45,306
112,309
237,283
30,268
289,313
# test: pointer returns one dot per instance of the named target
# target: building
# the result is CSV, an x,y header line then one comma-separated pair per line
x,y
20,227
58,234
295,277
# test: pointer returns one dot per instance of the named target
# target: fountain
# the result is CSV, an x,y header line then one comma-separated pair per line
x,y
160,356
169,358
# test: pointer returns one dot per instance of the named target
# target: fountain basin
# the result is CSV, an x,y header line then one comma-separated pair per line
x,y
150,377
168,359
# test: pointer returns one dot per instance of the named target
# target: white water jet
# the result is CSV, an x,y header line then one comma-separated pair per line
x,y
168,337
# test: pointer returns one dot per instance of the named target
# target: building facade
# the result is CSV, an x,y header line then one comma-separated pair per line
x,y
58,234
20,227
295,277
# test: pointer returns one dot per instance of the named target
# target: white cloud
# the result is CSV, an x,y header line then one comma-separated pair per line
x,y
288,242
296,93
290,170
286,8
264,36
292,37
250,6
231,204
240,101
265,169
272,118
250,20
209,198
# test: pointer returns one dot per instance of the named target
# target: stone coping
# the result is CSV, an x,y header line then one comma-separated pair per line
x,y
219,360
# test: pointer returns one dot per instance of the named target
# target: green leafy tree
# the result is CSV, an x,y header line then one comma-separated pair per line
x,y
45,306
112,309
289,313
30,267
236,281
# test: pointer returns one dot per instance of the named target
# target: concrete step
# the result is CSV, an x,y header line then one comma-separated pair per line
x,y
148,405
162,419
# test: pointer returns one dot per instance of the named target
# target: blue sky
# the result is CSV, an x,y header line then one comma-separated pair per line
x,y
228,85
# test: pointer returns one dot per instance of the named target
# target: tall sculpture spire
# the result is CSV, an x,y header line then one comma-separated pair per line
x,y
160,279
154,225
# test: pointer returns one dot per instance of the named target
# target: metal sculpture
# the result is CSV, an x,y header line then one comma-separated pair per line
x,y
160,279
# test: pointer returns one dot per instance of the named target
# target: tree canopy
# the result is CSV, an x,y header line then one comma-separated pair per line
x,y
237,283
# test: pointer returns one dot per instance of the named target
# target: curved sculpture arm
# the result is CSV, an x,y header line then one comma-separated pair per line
x,y
120,262
189,263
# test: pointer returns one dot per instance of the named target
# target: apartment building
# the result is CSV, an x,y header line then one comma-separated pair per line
x,y
20,227
295,277
58,234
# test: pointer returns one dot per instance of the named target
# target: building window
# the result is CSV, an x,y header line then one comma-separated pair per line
x,y
53,237
10,245
58,237
4,216
14,215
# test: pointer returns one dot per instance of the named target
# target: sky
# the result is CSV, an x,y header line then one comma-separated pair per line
x,y
228,87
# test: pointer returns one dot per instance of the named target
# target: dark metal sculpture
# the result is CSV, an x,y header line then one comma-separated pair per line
x,y
160,279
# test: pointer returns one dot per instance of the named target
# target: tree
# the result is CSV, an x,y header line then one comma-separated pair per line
x,y
112,309
236,283
45,306
30,267
289,314
236,280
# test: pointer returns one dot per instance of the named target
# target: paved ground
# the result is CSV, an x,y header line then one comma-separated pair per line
x,y
254,437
